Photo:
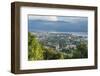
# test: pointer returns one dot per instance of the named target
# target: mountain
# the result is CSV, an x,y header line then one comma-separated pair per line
x,y
57,26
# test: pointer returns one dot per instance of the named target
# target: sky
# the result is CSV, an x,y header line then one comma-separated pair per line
x,y
40,23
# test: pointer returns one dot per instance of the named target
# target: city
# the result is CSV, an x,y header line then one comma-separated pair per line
x,y
64,43
59,41
57,37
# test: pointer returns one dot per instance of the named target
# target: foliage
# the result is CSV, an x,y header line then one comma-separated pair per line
x,y
37,51
50,54
81,51
34,48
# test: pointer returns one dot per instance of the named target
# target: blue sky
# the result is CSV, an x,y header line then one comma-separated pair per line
x,y
57,23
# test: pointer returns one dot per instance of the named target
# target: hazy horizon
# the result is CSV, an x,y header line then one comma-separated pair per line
x,y
57,24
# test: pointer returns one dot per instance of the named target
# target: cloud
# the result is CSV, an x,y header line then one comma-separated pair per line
x,y
72,19
58,23
46,18
53,18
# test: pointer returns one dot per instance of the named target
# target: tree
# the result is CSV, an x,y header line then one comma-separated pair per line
x,y
50,54
35,50
81,51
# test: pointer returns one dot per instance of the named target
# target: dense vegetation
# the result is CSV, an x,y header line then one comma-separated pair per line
x,y
37,51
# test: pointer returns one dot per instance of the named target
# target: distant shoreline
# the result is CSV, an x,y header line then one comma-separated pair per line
x,y
73,33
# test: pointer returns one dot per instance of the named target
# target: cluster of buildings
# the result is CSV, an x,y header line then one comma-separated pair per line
x,y
60,41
